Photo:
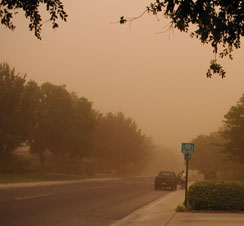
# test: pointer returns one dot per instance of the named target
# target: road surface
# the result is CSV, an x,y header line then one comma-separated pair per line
x,y
94,203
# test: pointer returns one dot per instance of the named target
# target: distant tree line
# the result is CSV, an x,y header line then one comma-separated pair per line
x,y
50,118
222,152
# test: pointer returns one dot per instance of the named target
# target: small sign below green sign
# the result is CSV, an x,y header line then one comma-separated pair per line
x,y
187,148
187,156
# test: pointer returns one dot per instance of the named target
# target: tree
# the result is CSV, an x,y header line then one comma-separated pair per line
x,y
65,124
53,121
233,132
9,8
219,23
118,140
83,123
16,113
31,107
210,159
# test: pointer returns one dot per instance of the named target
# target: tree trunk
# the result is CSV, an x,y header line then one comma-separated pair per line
x,y
42,159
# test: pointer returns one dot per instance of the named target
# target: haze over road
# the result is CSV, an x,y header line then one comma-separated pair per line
x,y
94,203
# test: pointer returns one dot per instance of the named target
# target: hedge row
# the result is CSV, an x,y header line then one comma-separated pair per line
x,y
217,195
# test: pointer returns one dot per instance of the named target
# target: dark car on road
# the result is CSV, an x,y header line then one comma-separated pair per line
x,y
166,179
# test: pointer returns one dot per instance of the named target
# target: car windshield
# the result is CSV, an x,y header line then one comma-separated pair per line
x,y
166,174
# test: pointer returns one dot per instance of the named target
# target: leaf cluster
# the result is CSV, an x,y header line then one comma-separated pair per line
x,y
9,8
118,139
219,23
208,156
12,102
64,125
233,132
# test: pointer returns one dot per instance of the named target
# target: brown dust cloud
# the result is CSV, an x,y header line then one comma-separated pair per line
x,y
155,77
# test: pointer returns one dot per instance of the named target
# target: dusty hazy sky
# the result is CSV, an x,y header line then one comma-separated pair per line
x,y
157,79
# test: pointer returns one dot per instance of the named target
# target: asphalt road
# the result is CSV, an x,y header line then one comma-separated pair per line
x,y
94,203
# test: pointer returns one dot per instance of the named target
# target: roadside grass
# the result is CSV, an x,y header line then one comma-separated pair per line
x,y
37,177
180,208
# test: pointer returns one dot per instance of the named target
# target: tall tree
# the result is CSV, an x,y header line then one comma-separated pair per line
x,y
16,112
31,8
118,140
83,123
219,23
233,132
65,124
53,121
210,159
31,107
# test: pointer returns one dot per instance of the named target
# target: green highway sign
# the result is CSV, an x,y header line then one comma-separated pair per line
x,y
187,148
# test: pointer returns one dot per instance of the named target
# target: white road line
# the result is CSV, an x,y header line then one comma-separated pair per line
x,y
32,196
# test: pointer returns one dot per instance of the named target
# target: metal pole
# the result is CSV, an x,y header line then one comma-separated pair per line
x,y
186,182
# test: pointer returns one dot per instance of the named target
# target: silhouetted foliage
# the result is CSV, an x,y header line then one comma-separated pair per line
x,y
210,159
9,8
65,123
219,23
233,132
118,140
207,156
51,120
17,110
83,123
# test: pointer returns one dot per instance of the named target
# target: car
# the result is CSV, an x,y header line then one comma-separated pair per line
x,y
165,179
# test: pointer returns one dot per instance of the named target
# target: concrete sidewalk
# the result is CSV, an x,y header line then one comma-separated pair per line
x,y
206,219
157,213
162,213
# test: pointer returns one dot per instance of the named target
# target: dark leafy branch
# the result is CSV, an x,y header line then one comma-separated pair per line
x,y
9,8
216,22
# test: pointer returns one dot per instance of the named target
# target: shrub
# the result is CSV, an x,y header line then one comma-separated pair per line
x,y
15,164
180,208
217,195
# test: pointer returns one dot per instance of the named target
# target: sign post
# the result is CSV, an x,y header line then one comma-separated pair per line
x,y
186,182
187,149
